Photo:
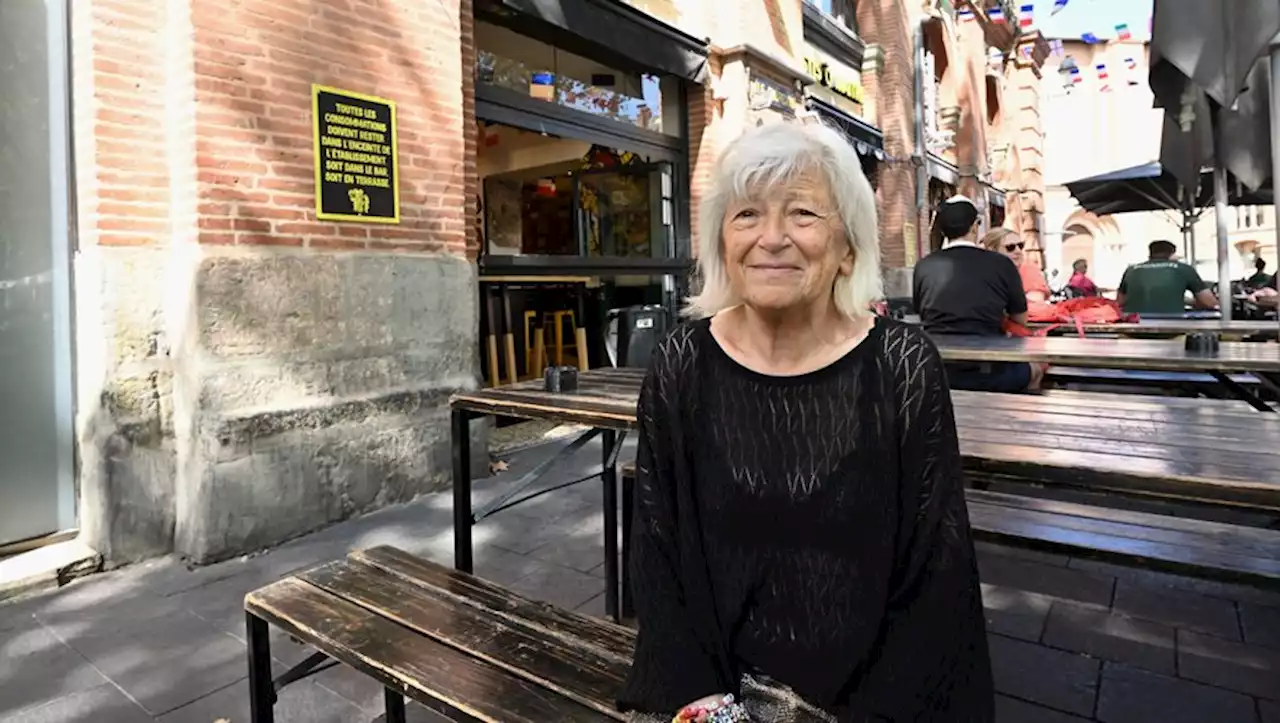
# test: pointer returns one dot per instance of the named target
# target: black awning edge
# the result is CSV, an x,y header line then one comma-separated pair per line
x,y
858,130
608,30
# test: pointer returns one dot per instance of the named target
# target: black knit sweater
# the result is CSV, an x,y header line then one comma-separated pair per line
x,y
811,528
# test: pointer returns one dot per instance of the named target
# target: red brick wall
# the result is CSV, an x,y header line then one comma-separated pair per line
x,y
887,24
120,132
704,147
213,101
255,62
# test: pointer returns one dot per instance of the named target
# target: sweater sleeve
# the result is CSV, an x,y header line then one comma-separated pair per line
x,y
675,663
933,637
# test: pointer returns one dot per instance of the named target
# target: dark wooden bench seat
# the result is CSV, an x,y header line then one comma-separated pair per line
x,y
460,646
1143,377
1196,547
1215,452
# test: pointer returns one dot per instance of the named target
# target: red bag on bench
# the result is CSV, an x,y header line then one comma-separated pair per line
x,y
1078,311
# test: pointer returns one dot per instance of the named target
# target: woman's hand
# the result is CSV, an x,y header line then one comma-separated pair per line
x,y
711,708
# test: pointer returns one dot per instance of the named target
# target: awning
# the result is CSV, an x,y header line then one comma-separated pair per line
x,y
606,30
942,170
1150,187
866,138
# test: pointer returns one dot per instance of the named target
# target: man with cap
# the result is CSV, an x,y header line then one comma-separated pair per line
x,y
965,289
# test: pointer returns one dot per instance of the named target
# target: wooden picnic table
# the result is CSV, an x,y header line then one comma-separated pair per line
x,y
1212,451
1158,355
1151,354
1167,327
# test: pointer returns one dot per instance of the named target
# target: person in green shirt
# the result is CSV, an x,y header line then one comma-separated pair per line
x,y
1260,277
1159,284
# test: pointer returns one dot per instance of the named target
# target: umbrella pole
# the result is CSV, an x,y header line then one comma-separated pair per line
x,y
1220,205
1224,241
1275,129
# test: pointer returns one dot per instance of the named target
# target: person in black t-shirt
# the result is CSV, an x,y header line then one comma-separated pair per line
x,y
965,289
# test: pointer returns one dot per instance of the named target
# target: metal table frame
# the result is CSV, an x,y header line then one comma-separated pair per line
x,y
465,515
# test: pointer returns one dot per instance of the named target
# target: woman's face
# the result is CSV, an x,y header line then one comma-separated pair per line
x,y
783,249
1012,246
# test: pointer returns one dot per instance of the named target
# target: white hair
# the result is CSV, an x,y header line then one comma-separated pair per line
x,y
773,155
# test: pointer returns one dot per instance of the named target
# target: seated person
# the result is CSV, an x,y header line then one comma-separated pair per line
x,y
1159,284
1260,278
1268,297
965,289
1009,243
1080,284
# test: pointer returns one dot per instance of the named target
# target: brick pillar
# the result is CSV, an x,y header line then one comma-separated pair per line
x,y
249,373
888,74
1027,135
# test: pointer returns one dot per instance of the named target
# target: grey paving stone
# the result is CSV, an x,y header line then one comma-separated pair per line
x,y
1236,666
300,702
1012,710
1022,553
1166,580
366,694
558,585
577,552
1261,624
1269,710
1013,612
36,668
1181,609
1060,582
593,607
1063,681
166,662
1130,695
517,532
103,704
1110,636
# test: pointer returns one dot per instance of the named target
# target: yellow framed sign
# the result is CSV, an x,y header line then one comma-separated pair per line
x,y
357,172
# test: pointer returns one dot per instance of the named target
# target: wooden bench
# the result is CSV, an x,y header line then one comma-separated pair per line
x,y
1196,382
1206,451
460,646
1195,547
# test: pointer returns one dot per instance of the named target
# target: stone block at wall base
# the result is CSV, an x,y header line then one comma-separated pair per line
x,y
321,392
275,393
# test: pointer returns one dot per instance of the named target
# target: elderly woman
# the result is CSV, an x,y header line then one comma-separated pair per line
x,y
1007,242
801,548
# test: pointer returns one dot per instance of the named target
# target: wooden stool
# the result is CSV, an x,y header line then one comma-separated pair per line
x,y
555,320
535,345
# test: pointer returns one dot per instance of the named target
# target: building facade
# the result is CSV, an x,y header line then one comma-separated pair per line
x,y
1099,118
274,236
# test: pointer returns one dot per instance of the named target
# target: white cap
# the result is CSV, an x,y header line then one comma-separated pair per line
x,y
961,198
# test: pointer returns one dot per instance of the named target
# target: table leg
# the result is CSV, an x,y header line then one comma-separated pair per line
x,y
460,435
1241,393
395,705
609,477
262,692
628,505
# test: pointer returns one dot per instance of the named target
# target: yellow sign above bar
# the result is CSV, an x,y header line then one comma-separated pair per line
x,y
834,77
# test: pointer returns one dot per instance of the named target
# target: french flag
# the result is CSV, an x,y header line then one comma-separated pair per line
x,y
1058,5
965,14
996,15
1102,71
1076,78
1122,31
1025,17
1130,63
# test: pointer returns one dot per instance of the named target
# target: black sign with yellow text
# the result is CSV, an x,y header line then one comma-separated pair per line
x,y
356,174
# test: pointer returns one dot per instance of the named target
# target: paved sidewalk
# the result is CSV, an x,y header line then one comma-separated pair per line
x,y
1072,640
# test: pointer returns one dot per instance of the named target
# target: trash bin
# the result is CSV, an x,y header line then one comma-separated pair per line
x,y
636,333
